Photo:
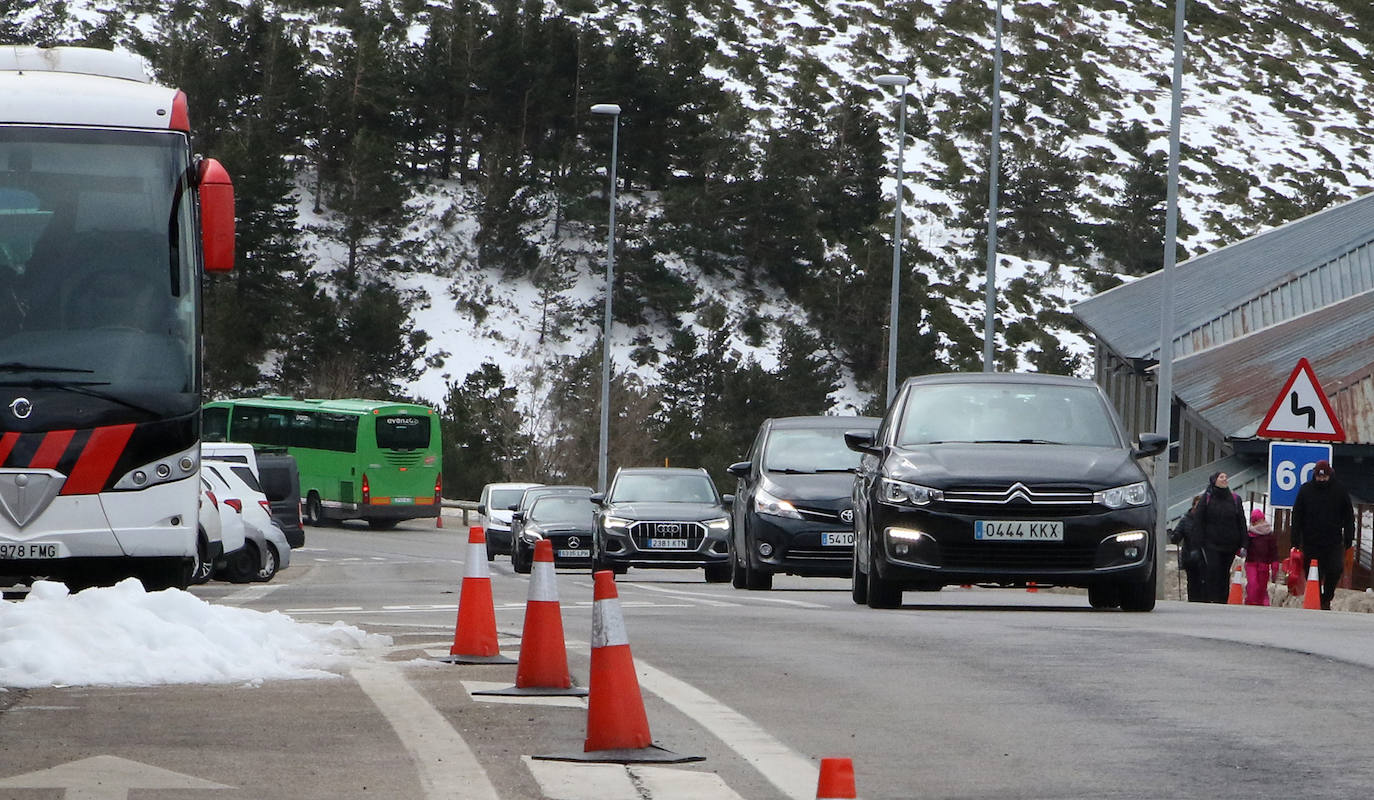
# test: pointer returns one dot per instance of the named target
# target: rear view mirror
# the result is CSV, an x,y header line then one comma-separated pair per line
x,y
1151,444
598,499
862,442
739,469
482,508
216,216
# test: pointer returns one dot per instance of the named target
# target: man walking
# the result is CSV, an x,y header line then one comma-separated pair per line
x,y
1324,527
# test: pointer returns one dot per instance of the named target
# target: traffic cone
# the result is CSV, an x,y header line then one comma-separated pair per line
x,y
1237,595
1313,596
474,636
617,728
1031,587
837,780
543,665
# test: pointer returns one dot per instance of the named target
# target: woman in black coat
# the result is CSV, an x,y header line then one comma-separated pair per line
x,y
1219,525
1189,541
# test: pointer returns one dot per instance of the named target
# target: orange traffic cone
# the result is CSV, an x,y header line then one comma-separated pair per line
x,y
1237,595
474,637
617,728
543,666
1313,596
837,779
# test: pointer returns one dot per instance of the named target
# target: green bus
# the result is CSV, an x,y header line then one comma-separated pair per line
x,y
373,460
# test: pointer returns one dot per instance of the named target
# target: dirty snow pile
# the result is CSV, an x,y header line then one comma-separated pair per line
x,y
124,636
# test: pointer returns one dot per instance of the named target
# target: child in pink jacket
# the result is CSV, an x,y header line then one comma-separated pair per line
x,y
1261,559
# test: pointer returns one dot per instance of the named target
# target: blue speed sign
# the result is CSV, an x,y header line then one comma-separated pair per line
x,y
1290,466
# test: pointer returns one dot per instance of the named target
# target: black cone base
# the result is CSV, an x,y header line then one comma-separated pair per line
x,y
461,659
535,691
653,754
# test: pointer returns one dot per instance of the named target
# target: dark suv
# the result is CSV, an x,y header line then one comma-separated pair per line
x,y
793,510
1003,479
663,517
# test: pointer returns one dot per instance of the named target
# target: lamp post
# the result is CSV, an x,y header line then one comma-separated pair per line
x,y
613,111
900,81
990,301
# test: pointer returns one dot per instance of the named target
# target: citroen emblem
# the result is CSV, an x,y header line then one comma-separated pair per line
x,y
21,407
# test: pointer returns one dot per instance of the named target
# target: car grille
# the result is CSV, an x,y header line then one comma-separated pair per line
x,y
819,555
1059,500
693,532
822,515
1017,555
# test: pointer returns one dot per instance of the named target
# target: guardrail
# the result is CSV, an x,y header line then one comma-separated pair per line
x,y
466,509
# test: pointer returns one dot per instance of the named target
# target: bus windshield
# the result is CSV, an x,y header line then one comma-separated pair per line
x,y
97,274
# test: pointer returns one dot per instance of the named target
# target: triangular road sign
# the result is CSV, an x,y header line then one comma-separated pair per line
x,y
1302,411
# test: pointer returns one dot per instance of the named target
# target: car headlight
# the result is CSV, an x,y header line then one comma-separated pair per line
x,y
907,494
717,525
531,533
1135,494
615,524
766,503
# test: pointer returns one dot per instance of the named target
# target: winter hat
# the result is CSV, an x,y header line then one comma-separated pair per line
x,y
1322,468
1256,515
1212,479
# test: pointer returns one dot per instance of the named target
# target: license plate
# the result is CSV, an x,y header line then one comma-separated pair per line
x,y
573,553
667,544
1018,531
840,539
33,550
403,501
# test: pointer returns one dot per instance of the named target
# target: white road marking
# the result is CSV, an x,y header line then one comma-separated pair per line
x,y
752,598
695,596
446,765
249,594
571,781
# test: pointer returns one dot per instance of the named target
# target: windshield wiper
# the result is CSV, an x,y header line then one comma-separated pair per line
x,y
1015,441
837,469
791,471
80,387
19,366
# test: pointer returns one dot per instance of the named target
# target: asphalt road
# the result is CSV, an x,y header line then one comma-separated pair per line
x,y
964,693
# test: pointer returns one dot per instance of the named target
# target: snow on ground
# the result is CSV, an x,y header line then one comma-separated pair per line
x,y
124,636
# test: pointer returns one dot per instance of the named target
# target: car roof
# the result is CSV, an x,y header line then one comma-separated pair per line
x,y
827,421
511,485
999,377
660,471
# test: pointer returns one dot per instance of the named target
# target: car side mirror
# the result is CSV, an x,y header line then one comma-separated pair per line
x,y
482,508
728,500
598,498
512,508
1151,444
518,516
740,469
862,442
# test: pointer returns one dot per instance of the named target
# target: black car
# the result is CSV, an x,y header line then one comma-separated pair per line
x,y
793,510
567,519
666,517
520,558
1003,479
281,482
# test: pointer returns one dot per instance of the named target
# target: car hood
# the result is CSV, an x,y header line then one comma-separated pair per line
x,y
678,512
565,528
810,487
948,465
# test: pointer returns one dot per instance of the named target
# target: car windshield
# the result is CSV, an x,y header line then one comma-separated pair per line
x,y
564,509
663,488
530,496
1006,412
797,450
97,272
503,499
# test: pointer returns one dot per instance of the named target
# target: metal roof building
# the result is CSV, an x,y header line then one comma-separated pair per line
x,y
1244,315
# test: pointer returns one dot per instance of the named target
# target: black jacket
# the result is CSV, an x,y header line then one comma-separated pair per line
x,y
1323,516
1220,521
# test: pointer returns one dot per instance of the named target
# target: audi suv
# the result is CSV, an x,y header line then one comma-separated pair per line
x,y
1003,480
663,517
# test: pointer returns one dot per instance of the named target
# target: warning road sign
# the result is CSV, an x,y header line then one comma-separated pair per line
x,y
1301,411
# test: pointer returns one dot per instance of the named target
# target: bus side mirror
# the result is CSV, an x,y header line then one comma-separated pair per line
x,y
216,216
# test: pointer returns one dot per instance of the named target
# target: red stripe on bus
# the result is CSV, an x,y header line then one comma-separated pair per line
x,y
93,468
6,445
51,450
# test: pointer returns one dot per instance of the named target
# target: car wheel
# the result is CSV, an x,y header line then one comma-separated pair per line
x,y
314,510
717,573
858,587
1104,595
201,568
268,570
519,559
738,577
1139,596
243,564
882,593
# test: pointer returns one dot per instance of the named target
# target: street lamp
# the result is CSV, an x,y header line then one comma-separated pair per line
x,y
994,167
900,81
613,111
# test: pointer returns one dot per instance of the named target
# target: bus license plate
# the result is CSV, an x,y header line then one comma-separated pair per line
x,y
668,544
33,550
840,539
403,501
1018,531
573,553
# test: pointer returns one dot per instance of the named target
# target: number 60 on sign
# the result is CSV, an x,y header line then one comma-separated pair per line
x,y
1290,466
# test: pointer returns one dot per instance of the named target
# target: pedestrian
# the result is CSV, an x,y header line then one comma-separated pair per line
x,y
1221,525
1190,559
1261,559
1324,527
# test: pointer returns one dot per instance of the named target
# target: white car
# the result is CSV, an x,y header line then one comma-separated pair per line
x,y
265,551
210,538
228,521
494,509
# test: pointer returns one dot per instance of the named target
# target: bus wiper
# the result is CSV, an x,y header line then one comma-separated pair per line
x,y
19,366
80,387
